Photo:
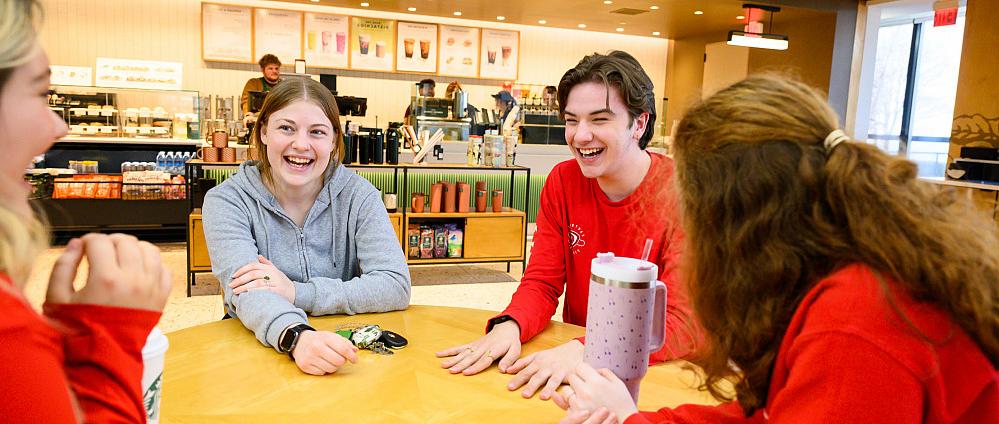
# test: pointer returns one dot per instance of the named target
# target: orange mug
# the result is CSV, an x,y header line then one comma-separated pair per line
x,y
209,154
228,154
220,139
417,202
497,200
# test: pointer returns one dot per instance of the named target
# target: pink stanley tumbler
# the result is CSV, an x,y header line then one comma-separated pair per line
x,y
625,317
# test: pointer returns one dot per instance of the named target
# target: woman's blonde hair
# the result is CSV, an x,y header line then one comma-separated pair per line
x,y
21,237
285,93
769,211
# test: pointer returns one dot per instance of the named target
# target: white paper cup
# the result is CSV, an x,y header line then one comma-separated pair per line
x,y
153,355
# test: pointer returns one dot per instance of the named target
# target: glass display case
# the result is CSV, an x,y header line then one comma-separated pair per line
x,y
127,113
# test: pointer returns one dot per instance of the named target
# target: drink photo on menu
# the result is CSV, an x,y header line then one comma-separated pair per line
x,y
416,47
500,53
372,44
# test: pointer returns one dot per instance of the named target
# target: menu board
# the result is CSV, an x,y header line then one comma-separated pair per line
x,y
71,75
277,32
416,47
127,73
459,52
326,39
499,56
226,33
372,43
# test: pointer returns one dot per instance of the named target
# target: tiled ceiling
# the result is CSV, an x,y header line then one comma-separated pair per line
x,y
670,18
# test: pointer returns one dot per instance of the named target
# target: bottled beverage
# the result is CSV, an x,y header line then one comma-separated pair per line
x,y
171,159
161,160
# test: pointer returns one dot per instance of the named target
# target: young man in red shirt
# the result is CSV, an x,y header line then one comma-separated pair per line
x,y
611,198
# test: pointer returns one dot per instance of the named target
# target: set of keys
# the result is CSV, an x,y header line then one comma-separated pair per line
x,y
372,337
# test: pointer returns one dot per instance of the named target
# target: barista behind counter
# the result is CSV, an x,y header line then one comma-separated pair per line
x,y
270,67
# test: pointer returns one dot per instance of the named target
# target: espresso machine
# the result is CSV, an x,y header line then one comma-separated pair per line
x,y
447,114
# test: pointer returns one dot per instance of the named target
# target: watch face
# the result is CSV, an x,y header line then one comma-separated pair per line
x,y
364,336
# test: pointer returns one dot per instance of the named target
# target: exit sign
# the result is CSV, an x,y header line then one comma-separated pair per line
x,y
945,13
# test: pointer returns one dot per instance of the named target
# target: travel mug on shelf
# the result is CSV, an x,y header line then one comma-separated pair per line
x,y
417,202
209,154
624,299
377,147
348,151
436,191
392,147
391,202
228,154
220,139
463,197
480,200
497,200
363,149
449,197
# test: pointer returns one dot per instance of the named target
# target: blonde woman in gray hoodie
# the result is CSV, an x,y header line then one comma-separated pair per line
x,y
296,232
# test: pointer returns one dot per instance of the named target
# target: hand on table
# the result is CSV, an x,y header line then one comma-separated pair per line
x,y
600,416
262,275
323,352
591,392
123,272
548,368
502,343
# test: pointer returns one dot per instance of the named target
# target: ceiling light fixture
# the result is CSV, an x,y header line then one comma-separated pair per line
x,y
608,2
457,13
501,18
655,33
365,5
740,17
752,34
542,21
411,9
620,30
698,12
315,1
654,7
581,25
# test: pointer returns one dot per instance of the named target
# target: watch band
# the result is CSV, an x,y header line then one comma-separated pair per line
x,y
499,320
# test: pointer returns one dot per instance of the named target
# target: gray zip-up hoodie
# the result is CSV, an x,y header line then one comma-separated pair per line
x,y
345,260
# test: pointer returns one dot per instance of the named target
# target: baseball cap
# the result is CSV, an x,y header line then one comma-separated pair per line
x,y
504,96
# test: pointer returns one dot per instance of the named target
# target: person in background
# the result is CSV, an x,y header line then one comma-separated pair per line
x,y
270,67
298,232
426,88
81,359
508,111
833,284
608,199
470,110
549,97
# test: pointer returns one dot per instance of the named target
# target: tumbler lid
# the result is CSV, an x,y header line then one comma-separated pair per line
x,y
622,272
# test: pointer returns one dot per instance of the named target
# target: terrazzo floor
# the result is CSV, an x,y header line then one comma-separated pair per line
x,y
183,312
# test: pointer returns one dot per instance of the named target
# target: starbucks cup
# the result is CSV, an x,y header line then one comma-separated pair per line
x,y
152,373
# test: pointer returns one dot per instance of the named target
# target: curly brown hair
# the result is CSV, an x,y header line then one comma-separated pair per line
x,y
768,212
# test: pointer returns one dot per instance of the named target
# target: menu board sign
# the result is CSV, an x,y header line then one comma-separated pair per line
x,y
500,53
71,75
226,33
372,43
277,32
147,74
326,39
416,47
459,51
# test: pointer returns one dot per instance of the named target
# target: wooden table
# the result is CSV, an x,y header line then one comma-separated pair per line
x,y
220,373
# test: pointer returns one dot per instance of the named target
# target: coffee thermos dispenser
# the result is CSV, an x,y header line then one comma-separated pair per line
x,y
392,147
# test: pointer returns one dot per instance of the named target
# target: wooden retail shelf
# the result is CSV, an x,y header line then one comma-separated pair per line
x,y
487,214
445,261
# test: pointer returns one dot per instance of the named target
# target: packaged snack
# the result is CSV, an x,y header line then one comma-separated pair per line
x,y
454,241
440,241
413,239
426,242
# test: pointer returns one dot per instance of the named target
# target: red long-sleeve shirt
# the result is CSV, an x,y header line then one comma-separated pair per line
x,y
86,354
575,221
847,357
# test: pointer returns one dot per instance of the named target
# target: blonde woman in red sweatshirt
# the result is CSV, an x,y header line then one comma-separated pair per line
x,y
81,360
841,288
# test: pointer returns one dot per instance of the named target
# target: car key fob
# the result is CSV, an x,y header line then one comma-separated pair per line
x,y
393,340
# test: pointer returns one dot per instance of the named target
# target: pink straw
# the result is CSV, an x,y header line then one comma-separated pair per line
x,y
645,254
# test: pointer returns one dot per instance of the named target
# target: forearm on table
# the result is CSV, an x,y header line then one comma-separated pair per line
x,y
267,314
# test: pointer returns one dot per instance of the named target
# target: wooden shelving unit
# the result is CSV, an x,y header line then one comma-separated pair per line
x,y
488,236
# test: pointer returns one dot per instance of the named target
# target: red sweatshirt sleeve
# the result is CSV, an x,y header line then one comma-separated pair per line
x,y
31,371
683,335
536,299
833,378
103,349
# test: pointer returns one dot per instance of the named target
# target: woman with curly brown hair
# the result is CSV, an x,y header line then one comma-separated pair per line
x,y
833,285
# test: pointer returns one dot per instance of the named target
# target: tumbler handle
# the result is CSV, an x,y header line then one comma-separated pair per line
x,y
658,336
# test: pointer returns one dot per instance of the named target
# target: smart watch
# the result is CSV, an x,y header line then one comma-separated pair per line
x,y
289,338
